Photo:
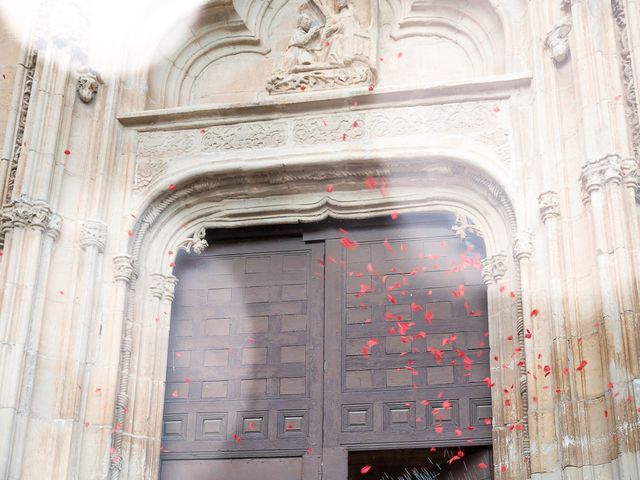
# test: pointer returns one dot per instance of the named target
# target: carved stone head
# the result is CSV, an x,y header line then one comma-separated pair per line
x,y
557,42
341,4
304,22
88,84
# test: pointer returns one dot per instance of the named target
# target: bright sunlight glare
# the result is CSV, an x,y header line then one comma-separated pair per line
x,y
108,36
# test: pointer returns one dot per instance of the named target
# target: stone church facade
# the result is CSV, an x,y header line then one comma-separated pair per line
x,y
509,125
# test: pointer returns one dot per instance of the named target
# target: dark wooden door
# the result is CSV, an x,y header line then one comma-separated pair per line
x,y
406,342
291,352
244,377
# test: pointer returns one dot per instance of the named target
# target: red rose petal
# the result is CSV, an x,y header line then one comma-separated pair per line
x,y
365,469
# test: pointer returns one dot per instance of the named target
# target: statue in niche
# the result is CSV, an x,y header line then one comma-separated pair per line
x,y
337,51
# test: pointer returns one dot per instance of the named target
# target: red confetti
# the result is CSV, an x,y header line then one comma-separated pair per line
x,y
394,215
349,244
344,137
534,312
371,183
496,109
303,87
364,470
482,465
399,54
98,389
67,152
388,246
130,233
172,187
174,394
371,88
329,188
583,364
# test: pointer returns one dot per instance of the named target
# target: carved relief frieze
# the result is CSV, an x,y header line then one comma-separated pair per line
x,y
244,137
477,121
330,47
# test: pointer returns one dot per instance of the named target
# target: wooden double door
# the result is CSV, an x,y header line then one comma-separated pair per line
x,y
292,347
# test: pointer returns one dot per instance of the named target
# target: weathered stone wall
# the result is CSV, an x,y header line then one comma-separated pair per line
x,y
519,115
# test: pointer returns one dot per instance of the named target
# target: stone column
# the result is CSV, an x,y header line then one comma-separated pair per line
x,y
30,229
507,441
602,193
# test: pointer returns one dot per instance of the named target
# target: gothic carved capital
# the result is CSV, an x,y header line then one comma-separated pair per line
x,y
195,244
464,227
549,203
123,270
163,286
597,173
93,234
494,268
27,213
522,245
557,42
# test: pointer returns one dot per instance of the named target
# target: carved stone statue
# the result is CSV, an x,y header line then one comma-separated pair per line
x,y
337,52
557,42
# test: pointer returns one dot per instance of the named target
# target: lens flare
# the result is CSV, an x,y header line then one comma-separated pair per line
x,y
107,37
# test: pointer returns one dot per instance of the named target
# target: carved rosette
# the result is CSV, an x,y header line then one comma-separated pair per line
x,y
494,268
549,203
597,173
522,245
93,234
195,244
27,213
123,269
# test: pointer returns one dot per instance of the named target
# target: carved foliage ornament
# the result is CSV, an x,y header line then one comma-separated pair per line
x,y
494,268
123,270
27,213
195,244
163,286
464,227
597,173
522,245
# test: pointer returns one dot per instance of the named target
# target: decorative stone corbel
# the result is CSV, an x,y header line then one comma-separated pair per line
x,y
549,203
464,227
89,83
93,233
557,41
522,245
195,244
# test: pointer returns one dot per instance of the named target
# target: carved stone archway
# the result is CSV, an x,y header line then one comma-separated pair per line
x,y
280,195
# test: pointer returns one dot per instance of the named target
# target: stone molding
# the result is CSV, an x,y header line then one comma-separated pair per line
x,y
93,233
494,268
27,213
522,245
123,268
628,74
549,204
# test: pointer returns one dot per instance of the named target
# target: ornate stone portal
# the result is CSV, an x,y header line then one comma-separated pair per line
x,y
329,48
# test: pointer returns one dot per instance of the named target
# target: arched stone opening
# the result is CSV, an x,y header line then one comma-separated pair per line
x,y
178,220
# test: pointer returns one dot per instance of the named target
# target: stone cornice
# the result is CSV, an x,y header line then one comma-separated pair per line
x,y
496,87
27,213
